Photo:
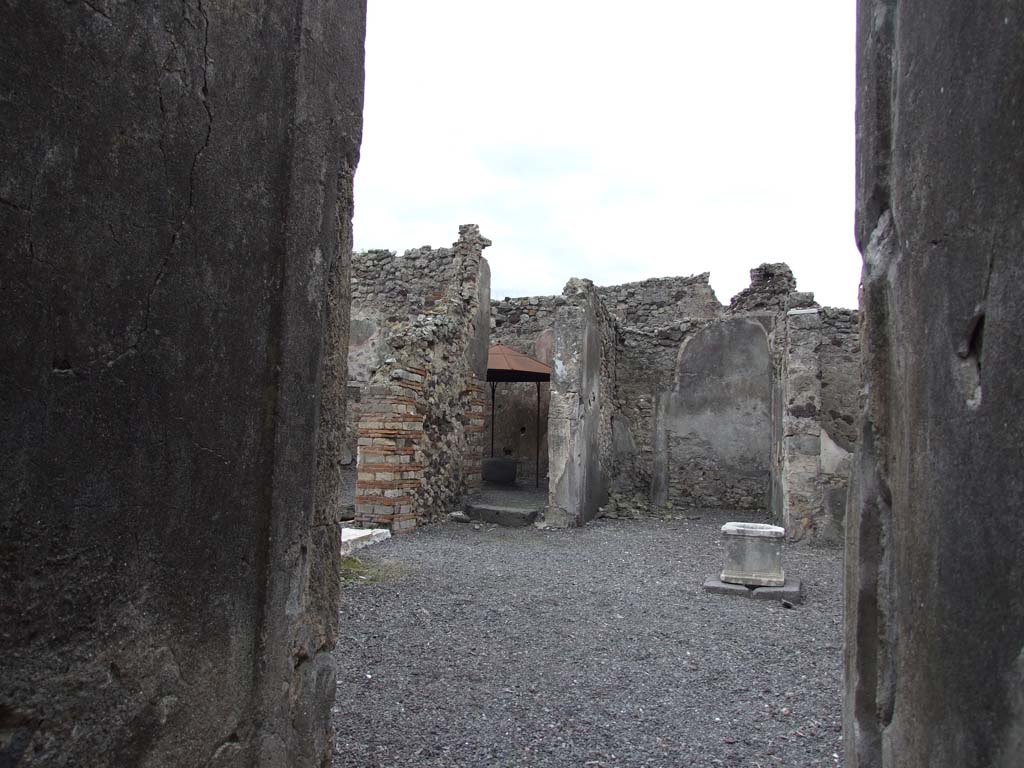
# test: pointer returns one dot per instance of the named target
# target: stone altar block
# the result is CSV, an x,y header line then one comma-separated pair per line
x,y
753,554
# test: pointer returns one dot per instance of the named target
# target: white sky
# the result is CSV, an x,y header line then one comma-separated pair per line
x,y
615,140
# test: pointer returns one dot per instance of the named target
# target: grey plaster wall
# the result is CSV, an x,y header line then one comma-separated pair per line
x,y
580,416
934,606
175,213
713,429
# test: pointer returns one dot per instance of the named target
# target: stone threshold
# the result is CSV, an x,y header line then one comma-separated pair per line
x,y
357,538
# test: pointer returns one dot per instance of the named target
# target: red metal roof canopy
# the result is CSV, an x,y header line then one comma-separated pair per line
x,y
505,364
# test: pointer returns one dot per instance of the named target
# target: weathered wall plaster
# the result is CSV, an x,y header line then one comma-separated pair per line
x,y
713,426
934,606
174,232
579,422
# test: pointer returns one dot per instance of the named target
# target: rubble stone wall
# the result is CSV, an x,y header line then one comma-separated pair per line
x,y
174,224
653,318
820,385
934,606
839,353
801,428
661,301
646,371
839,356
419,438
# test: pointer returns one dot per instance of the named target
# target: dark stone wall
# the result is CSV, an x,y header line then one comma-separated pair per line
x,y
175,220
935,610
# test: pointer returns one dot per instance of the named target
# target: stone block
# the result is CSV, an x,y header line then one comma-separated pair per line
x,y
753,554
792,590
508,517
719,587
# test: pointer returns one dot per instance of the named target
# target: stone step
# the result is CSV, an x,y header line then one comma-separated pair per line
x,y
508,517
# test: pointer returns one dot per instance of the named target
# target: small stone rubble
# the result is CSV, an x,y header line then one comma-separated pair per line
x,y
523,647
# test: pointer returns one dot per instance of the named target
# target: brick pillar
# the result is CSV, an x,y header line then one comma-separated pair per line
x,y
388,465
475,428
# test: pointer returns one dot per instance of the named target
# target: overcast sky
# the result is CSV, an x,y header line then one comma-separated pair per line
x,y
616,141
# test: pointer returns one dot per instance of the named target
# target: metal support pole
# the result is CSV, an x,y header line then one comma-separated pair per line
x,y
493,385
536,479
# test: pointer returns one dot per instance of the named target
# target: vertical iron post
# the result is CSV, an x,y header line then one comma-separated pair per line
x,y
536,480
493,385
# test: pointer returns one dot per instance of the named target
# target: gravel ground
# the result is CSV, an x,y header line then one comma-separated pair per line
x,y
466,645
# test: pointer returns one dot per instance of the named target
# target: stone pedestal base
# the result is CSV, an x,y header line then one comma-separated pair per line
x,y
792,590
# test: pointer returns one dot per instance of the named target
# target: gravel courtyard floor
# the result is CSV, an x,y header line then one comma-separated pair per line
x,y
466,645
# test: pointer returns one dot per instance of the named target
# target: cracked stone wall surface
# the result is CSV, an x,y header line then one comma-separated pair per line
x,y
934,609
175,216
580,417
419,365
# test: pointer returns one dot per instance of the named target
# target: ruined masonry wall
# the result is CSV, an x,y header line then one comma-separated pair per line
x,y
661,301
420,430
772,290
821,382
839,353
801,430
653,318
646,362
714,425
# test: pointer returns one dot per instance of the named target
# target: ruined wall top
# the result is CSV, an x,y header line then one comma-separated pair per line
x,y
772,289
415,281
659,305
662,301
518,322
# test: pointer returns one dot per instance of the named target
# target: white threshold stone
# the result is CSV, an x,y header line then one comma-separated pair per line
x,y
760,530
357,538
